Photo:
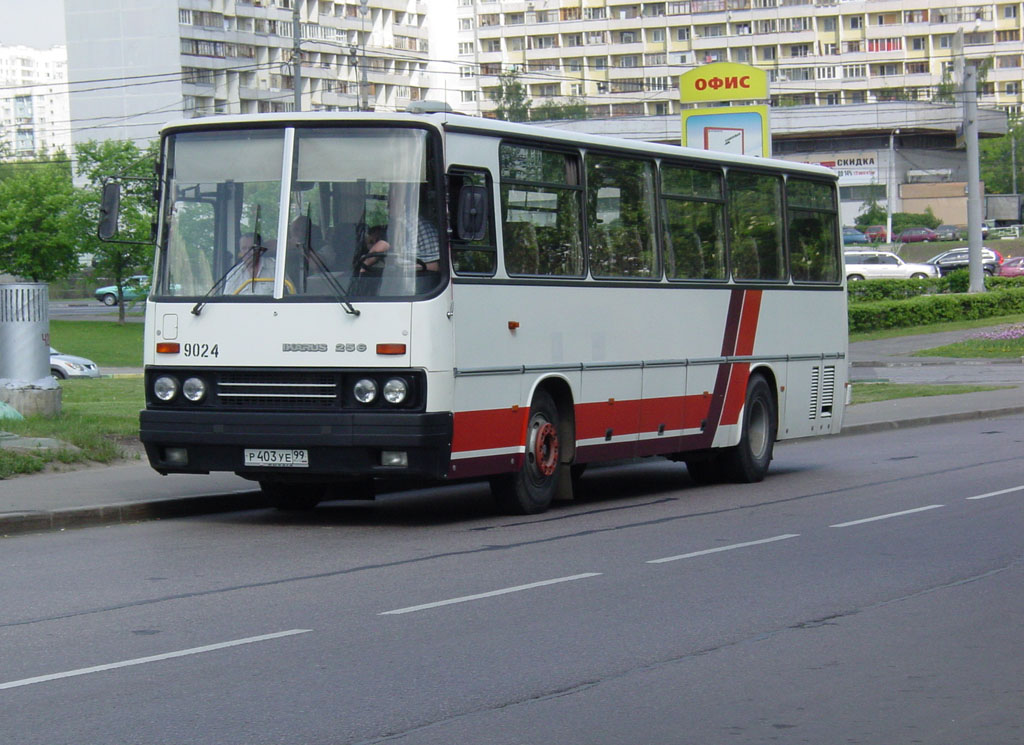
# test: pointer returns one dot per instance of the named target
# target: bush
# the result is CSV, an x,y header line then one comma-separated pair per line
x,y
873,290
924,310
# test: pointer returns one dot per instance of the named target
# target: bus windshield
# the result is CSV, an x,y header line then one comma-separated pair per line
x,y
343,213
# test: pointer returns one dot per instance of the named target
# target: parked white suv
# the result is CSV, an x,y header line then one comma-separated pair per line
x,y
884,265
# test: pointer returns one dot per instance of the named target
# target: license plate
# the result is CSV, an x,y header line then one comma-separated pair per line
x,y
277,458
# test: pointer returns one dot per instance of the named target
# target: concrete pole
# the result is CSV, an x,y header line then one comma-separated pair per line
x,y
974,215
297,53
890,191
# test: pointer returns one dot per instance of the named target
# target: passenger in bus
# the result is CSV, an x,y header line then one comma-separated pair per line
x,y
253,274
428,248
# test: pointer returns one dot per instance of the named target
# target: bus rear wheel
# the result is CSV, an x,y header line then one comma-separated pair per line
x,y
532,489
748,462
290,496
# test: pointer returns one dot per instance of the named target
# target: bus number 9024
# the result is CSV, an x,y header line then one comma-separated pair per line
x,y
201,350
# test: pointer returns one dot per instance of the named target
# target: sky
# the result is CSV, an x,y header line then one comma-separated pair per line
x,y
32,23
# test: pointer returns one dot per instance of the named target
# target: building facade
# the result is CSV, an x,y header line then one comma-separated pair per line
x,y
161,60
623,57
34,116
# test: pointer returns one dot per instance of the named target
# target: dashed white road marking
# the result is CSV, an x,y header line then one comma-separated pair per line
x,y
154,658
724,548
491,594
886,517
997,493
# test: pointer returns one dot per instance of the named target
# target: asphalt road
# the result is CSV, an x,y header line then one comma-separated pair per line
x,y
92,310
871,590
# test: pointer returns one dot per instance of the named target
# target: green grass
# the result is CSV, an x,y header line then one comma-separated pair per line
x,y
937,328
864,393
1008,344
107,343
98,416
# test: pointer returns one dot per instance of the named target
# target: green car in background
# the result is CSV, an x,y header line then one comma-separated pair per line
x,y
135,287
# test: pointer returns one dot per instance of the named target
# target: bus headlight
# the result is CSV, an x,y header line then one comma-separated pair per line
x,y
365,391
395,391
194,389
165,387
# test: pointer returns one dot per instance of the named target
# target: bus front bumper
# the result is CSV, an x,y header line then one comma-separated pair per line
x,y
336,444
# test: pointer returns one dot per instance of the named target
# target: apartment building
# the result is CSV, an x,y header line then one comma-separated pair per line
x,y
623,57
135,64
34,103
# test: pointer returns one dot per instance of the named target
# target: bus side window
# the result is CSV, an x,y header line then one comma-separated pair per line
x,y
472,257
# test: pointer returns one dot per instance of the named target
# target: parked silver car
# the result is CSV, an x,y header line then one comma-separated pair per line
x,y
69,366
867,264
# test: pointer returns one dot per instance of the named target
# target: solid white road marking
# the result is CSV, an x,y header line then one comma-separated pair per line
x,y
493,593
154,658
724,548
886,517
997,493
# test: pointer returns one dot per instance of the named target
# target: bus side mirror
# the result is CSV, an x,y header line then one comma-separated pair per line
x,y
109,209
471,217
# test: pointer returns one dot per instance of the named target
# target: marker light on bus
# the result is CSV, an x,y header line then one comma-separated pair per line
x,y
395,391
168,347
390,349
194,389
165,387
365,391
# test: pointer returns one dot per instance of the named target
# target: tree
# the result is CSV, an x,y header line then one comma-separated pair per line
x,y
574,108
513,106
998,159
37,239
97,161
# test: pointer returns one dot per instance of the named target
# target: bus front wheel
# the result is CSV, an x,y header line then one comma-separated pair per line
x,y
532,489
748,462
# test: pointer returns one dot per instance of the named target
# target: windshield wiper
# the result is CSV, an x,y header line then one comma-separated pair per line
x,y
310,253
257,248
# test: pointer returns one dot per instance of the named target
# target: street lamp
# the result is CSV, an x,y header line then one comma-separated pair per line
x,y
891,188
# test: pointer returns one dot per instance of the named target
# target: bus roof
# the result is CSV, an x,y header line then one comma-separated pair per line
x,y
453,122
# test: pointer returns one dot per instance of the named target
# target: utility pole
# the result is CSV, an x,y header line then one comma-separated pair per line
x,y
974,217
364,85
297,53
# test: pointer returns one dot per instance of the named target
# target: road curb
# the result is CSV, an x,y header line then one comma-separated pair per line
x,y
16,523
923,421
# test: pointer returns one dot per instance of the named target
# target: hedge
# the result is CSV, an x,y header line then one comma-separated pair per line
x,y
924,310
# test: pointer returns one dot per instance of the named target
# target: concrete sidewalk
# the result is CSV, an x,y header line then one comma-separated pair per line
x,y
132,492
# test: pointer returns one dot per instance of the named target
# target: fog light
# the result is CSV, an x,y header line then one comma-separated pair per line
x,y
165,387
394,458
365,391
395,391
194,389
176,456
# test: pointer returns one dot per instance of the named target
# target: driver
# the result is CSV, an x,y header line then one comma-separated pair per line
x,y
253,274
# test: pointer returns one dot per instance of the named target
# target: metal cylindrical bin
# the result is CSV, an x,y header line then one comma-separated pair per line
x,y
24,330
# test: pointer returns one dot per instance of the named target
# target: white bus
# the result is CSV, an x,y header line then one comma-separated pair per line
x,y
339,298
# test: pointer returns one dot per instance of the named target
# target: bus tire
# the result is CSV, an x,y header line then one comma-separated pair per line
x,y
748,462
533,487
291,497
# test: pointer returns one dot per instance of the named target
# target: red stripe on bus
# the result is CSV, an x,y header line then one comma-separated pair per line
x,y
736,394
748,323
489,429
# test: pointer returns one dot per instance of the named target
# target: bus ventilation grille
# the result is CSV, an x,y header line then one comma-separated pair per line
x,y
285,389
823,391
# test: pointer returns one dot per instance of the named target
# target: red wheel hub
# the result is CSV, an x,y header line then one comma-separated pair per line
x,y
545,449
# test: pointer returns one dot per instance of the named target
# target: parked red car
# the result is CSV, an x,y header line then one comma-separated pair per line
x,y
916,235
876,233
1012,267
